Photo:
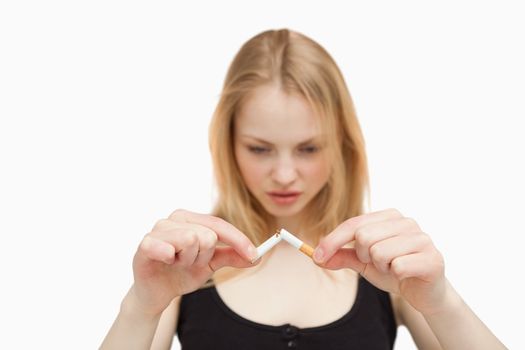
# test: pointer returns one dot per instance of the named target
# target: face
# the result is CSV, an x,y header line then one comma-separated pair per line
x,y
280,152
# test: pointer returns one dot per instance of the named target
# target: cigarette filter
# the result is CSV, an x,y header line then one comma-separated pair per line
x,y
297,243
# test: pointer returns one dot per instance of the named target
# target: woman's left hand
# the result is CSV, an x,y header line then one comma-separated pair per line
x,y
392,253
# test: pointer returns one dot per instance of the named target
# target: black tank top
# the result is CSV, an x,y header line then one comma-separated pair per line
x,y
206,322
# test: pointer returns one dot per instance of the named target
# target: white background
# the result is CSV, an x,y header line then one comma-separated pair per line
x,y
105,106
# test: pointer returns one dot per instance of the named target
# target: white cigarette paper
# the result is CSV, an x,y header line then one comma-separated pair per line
x,y
288,237
267,245
297,243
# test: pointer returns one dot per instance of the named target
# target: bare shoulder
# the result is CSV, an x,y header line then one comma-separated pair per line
x,y
167,326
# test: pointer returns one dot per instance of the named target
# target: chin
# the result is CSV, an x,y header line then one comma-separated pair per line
x,y
285,211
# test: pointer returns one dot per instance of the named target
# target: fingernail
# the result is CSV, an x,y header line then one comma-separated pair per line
x,y
252,253
318,255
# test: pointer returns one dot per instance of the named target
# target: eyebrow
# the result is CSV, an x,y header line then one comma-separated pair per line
x,y
311,139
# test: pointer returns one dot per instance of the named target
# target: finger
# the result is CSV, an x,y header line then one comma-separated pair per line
x,y
168,225
170,231
345,258
185,242
423,265
207,245
384,252
345,232
189,247
194,246
157,250
369,234
227,256
225,231
165,225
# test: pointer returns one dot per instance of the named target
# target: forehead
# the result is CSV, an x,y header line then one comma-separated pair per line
x,y
275,116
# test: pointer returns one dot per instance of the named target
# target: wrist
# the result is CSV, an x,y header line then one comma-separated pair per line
x,y
451,304
132,308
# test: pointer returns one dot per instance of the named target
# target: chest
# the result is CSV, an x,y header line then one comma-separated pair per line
x,y
304,297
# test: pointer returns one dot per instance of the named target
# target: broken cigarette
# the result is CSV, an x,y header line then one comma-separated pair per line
x,y
297,243
267,245
282,234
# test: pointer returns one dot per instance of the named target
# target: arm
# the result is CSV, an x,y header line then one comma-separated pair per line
x,y
167,326
177,257
394,254
454,327
415,323
135,330
457,327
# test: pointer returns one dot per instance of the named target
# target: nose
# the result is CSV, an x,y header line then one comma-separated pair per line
x,y
285,171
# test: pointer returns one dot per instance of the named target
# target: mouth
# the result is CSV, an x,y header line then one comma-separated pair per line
x,y
284,197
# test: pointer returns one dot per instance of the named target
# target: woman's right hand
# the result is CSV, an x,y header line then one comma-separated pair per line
x,y
180,254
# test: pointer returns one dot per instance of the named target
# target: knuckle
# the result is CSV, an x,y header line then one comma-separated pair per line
x,y
177,215
144,244
424,239
393,212
397,268
208,241
188,238
410,222
377,254
362,237
162,224
350,222
216,221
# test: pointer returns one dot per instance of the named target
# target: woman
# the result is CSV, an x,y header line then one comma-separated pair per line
x,y
288,153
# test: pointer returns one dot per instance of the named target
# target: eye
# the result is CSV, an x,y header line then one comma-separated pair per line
x,y
258,150
309,149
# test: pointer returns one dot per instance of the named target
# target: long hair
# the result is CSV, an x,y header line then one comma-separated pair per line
x,y
298,65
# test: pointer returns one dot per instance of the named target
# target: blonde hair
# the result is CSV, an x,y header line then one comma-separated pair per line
x,y
297,64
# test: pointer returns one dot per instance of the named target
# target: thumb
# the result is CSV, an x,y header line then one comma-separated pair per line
x,y
344,258
227,256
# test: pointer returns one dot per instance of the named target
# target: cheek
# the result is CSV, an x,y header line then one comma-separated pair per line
x,y
252,171
318,172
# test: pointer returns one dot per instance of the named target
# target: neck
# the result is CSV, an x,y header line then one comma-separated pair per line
x,y
295,228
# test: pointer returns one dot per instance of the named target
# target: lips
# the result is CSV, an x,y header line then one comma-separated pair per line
x,y
284,194
284,197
